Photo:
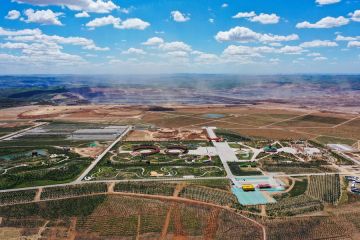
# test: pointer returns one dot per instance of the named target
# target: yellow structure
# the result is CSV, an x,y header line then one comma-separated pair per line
x,y
248,187
156,174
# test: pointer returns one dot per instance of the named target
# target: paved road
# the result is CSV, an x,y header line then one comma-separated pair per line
x,y
350,158
226,154
20,132
116,181
314,174
93,164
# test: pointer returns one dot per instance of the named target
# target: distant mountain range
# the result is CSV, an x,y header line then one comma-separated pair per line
x,y
306,90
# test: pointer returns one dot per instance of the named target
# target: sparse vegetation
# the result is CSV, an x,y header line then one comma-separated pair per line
x,y
73,190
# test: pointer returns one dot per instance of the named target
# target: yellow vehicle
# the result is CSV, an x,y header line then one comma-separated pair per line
x,y
248,187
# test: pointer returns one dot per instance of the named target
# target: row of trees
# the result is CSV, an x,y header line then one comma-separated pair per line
x,y
326,188
73,190
17,197
154,188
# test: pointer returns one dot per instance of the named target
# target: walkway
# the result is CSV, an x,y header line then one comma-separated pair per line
x,y
93,164
225,153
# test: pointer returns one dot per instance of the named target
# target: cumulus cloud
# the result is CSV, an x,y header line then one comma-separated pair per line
x,y
318,43
354,44
175,46
179,17
244,14
343,38
82,14
36,36
13,14
355,16
320,58
104,21
206,58
291,50
274,60
327,2
224,5
134,23
261,18
314,54
134,51
41,53
4,32
153,41
10,45
98,6
247,51
266,18
131,23
326,22
243,34
178,54
44,17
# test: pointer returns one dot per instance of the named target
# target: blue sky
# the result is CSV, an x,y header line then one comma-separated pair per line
x,y
171,36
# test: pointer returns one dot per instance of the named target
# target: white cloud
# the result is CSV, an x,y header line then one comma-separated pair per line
x,y
261,18
178,54
244,14
265,18
224,5
36,36
206,58
274,60
247,51
342,38
131,23
175,46
82,14
134,51
13,14
4,32
315,54
318,43
291,50
98,6
44,17
211,20
327,2
326,22
42,53
354,44
275,44
320,58
153,41
355,16
134,23
179,17
243,34
104,21
10,45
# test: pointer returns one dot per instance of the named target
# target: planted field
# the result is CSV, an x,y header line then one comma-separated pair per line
x,y
115,217
154,188
309,228
293,206
277,134
291,166
325,188
205,194
17,197
73,190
